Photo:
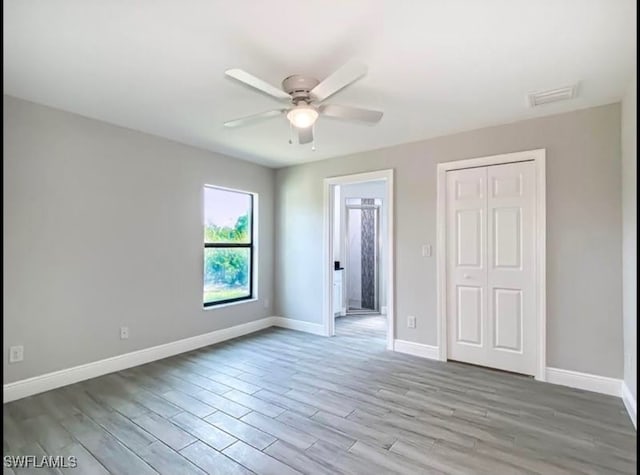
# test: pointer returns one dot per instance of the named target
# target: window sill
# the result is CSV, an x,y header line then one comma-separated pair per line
x,y
223,305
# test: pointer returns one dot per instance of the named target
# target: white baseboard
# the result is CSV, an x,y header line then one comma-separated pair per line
x,y
299,325
56,379
573,379
586,381
416,349
630,403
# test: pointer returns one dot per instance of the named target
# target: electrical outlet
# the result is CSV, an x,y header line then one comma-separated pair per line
x,y
266,303
411,321
124,333
16,354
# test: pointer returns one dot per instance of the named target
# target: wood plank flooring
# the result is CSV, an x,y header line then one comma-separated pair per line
x,y
283,402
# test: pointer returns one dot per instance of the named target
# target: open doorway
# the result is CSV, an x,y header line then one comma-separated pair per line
x,y
358,251
363,245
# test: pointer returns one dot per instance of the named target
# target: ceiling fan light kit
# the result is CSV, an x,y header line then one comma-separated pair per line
x,y
306,95
302,116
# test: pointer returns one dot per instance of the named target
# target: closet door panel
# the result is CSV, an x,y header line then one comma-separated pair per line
x,y
511,292
466,263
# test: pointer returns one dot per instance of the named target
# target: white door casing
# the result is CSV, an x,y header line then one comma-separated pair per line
x,y
328,209
490,266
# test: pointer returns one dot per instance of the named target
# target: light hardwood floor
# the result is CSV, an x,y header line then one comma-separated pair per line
x,y
282,402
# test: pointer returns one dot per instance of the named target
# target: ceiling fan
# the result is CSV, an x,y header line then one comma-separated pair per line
x,y
306,95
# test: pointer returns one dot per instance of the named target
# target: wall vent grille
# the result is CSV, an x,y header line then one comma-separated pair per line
x,y
535,99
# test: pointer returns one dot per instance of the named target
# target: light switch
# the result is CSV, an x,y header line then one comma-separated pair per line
x,y
426,250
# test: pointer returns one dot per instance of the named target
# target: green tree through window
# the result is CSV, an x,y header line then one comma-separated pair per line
x,y
228,246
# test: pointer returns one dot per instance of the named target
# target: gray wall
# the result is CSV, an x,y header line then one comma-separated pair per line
x,y
103,227
584,289
629,238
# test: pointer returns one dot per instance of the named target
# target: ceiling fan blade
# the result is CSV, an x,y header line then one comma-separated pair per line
x,y
340,78
257,83
254,118
351,113
305,135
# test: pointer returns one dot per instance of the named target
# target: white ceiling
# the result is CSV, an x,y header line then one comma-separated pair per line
x,y
435,67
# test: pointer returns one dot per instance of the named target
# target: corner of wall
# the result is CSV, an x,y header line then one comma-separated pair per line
x,y
629,245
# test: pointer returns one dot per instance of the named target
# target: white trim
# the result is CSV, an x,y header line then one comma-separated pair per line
x,y
56,379
586,381
299,325
376,175
328,318
383,309
563,377
539,157
327,256
416,349
441,264
541,262
629,403
228,304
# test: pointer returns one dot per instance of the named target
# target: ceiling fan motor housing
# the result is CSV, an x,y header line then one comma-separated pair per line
x,y
299,87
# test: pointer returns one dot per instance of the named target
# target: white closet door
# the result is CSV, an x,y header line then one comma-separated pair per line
x,y
511,287
491,298
467,263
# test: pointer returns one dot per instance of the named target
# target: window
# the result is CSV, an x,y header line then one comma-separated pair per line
x,y
228,246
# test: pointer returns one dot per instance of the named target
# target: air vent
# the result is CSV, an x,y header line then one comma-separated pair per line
x,y
553,95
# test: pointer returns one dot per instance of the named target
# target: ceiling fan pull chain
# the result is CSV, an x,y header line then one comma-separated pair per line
x,y
290,133
313,141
